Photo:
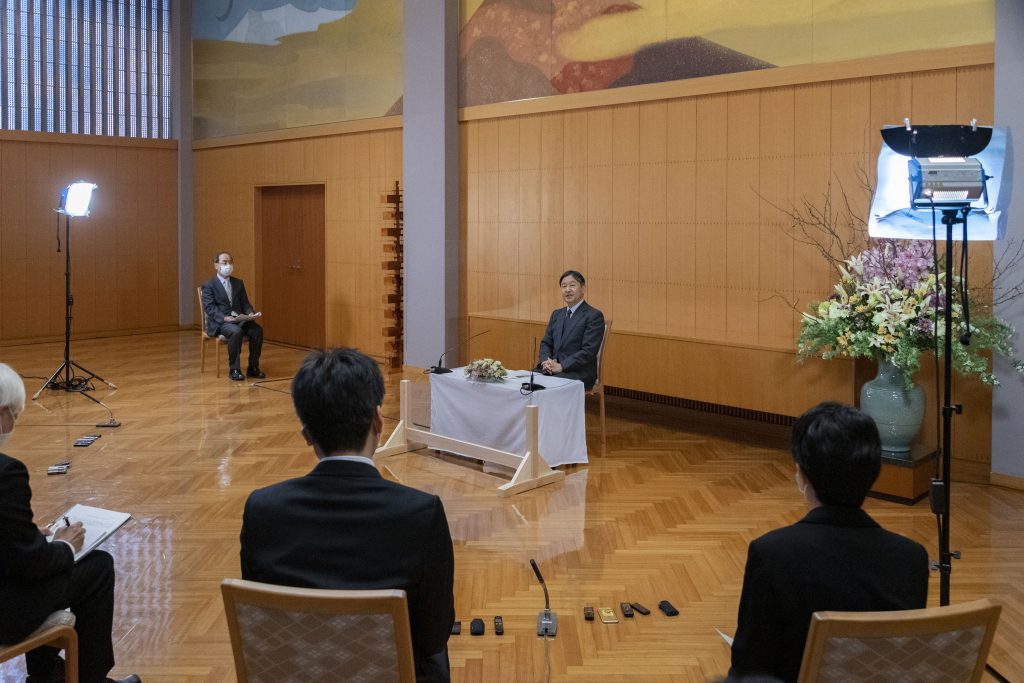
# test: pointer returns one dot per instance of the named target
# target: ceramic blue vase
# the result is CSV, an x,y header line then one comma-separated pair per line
x,y
897,411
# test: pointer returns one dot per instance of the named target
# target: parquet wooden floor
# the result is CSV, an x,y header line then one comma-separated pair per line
x,y
665,512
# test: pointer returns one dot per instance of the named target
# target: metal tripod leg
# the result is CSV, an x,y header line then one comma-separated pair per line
x,y
63,366
93,375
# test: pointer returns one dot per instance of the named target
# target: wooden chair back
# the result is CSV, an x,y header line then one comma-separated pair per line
x,y
598,388
600,356
281,634
936,644
58,631
204,337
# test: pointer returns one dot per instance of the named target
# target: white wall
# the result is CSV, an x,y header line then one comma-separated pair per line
x,y
1008,399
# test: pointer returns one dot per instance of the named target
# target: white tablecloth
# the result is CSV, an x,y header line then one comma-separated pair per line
x,y
493,414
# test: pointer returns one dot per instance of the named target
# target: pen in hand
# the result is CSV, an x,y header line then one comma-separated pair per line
x,y
74,534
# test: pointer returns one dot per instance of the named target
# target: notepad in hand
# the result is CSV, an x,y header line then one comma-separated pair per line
x,y
99,525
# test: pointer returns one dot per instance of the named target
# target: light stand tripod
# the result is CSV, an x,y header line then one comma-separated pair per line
x,y
64,376
953,169
939,498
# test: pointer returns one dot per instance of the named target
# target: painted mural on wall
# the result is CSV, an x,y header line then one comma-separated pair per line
x,y
517,49
263,65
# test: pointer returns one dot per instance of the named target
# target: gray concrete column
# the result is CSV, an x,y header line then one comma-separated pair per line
x,y
430,157
1008,399
181,129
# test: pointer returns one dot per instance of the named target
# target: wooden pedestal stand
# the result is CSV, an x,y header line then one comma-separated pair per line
x,y
531,469
905,480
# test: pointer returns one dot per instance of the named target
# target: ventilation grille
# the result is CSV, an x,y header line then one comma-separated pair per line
x,y
702,406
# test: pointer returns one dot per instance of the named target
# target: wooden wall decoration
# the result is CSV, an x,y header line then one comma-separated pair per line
x,y
392,265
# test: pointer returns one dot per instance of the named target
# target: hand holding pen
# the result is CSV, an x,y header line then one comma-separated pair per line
x,y
73,533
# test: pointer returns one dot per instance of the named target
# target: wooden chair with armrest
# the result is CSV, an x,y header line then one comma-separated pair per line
x,y
204,337
936,644
57,630
281,634
598,388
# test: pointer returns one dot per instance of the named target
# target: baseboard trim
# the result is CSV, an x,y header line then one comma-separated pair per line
x,y
1006,481
103,334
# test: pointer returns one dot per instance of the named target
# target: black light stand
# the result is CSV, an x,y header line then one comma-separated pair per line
x,y
939,498
64,376
948,170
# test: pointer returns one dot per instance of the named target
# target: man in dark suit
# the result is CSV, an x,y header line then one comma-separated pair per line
x,y
224,298
835,558
38,577
574,334
343,526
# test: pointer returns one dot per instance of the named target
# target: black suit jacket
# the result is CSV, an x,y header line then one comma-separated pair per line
x,y
343,526
576,345
29,563
833,559
216,303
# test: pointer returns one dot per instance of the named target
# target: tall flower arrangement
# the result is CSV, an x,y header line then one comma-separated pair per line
x,y
889,305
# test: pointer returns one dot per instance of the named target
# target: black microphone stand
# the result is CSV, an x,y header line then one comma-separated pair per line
x,y
547,621
64,376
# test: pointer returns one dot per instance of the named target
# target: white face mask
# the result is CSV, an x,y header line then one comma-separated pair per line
x,y
225,269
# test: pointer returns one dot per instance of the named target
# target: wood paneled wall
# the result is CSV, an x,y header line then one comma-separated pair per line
x,y
356,168
667,207
124,271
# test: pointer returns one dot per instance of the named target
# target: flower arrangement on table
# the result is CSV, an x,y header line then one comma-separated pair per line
x,y
486,370
889,306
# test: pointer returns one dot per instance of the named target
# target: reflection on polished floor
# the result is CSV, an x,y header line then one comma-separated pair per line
x,y
665,512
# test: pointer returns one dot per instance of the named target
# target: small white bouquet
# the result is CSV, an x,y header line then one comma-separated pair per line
x,y
486,370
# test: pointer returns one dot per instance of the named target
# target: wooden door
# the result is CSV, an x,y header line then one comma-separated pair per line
x,y
290,263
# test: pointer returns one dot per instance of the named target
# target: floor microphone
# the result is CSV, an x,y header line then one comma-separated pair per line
x,y
547,621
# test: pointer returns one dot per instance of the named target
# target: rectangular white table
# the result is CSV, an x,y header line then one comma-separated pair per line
x,y
493,414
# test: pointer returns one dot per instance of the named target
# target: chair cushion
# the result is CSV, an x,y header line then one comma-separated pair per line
x,y
61,617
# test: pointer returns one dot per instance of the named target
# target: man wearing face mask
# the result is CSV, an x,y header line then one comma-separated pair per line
x,y
224,299
343,526
38,577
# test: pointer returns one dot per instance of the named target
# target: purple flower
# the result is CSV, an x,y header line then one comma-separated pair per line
x,y
903,263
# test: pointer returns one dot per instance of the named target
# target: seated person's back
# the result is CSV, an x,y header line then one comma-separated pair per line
x,y
344,526
835,558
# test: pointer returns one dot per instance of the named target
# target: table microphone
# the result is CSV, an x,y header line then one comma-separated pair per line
x,y
530,387
439,369
547,621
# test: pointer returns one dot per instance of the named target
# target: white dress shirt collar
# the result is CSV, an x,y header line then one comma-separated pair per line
x,y
352,458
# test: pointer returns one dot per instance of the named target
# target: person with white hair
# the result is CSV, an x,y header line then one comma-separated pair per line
x,y
38,577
